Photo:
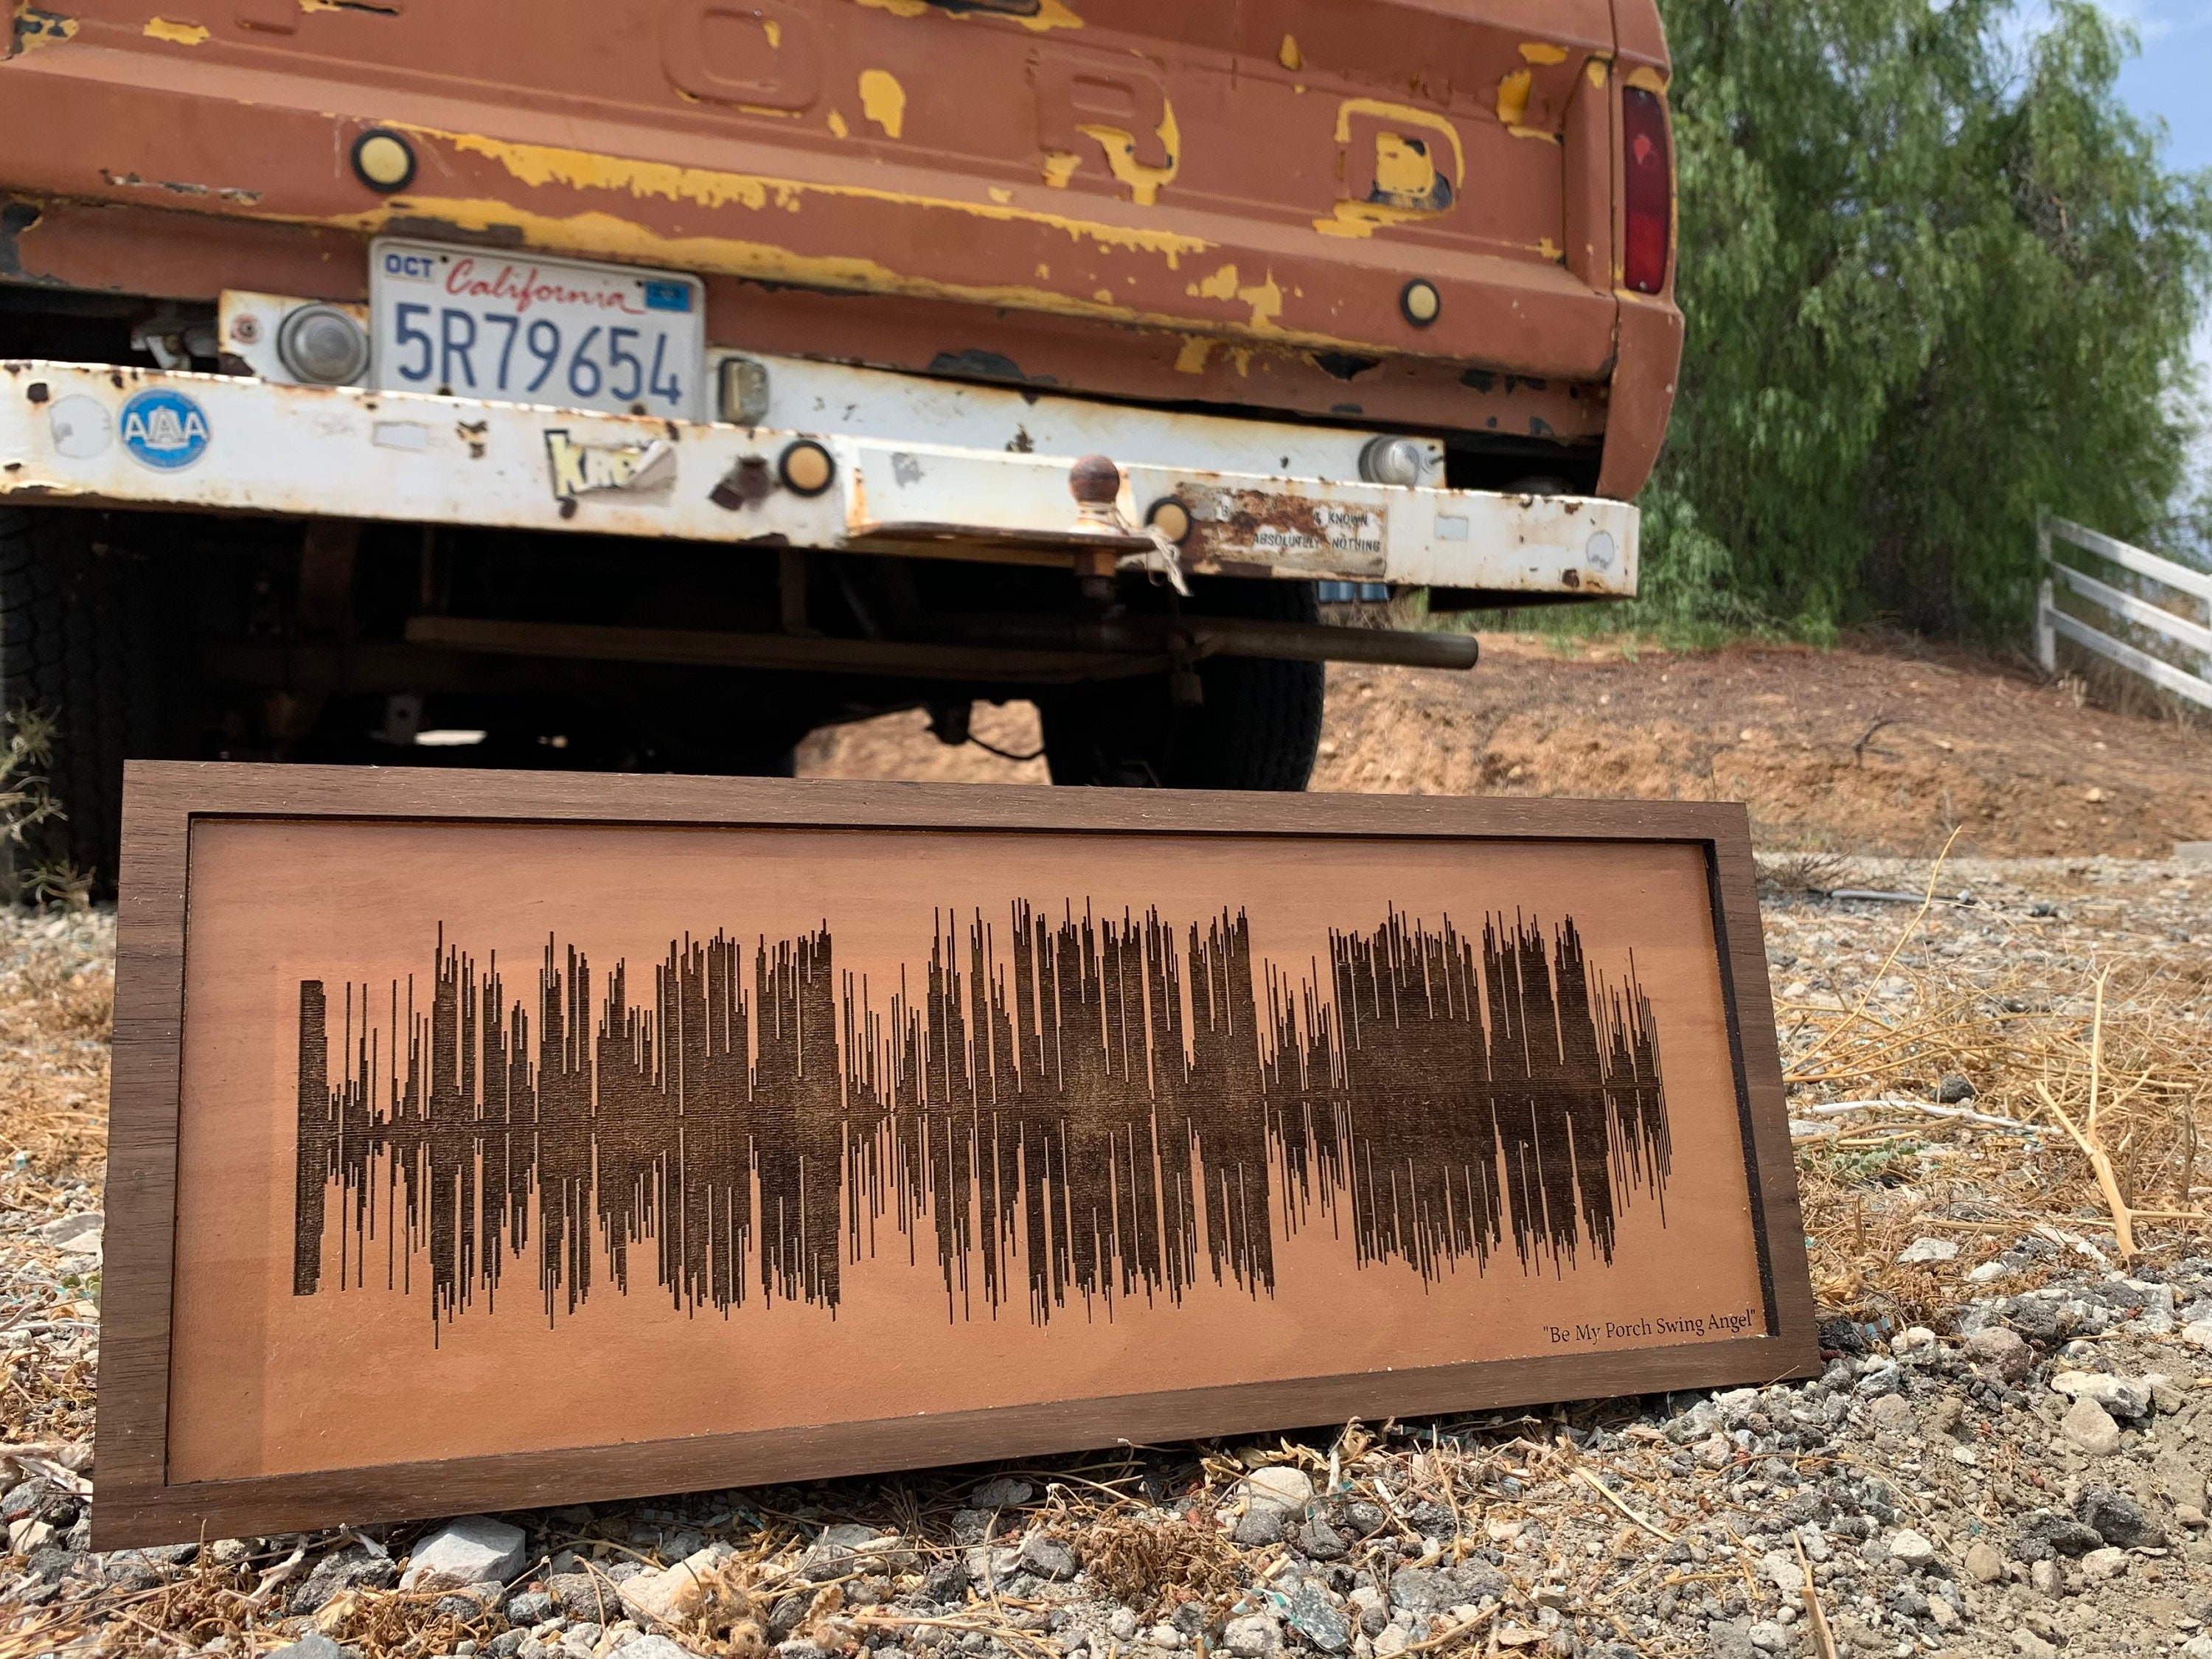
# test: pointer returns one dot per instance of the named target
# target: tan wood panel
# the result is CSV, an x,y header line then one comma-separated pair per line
x,y
346,876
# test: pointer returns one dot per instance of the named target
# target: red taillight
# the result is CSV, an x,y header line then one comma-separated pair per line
x,y
1650,196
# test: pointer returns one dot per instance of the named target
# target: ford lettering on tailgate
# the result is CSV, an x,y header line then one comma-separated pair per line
x,y
468,323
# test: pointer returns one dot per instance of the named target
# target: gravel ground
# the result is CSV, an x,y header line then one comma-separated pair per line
x,y
2006,1455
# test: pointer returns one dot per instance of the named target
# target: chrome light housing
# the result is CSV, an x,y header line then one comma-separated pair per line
x,y
1400,461
322,345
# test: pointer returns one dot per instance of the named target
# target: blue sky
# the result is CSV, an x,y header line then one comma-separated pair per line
x,y
2169,80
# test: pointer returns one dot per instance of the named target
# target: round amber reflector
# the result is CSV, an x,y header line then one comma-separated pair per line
x,y
384,160
1171,519
1421,303
806,468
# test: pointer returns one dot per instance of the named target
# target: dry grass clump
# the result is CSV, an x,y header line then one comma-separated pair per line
x,y
2087,1121
209,1601
42,1399
397,1624
55,1017
243,1603
730,1622
1798,874
1140,1562
45,997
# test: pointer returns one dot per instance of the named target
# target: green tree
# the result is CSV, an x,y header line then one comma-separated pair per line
x,y
1935,279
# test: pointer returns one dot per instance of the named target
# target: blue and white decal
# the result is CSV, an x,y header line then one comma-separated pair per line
x,y
165,429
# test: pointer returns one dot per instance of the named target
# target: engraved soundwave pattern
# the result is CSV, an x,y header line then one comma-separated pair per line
x,y
1069,1111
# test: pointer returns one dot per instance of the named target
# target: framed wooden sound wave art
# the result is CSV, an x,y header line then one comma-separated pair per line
x,y
486,1139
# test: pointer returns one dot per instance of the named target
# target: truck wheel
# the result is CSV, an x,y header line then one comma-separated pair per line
x,y
80,650
1257,728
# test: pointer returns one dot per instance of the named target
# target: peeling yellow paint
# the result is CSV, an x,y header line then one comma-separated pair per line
x,y
1104,295
882,100
1120,147
773,30
1647,79
1540,52
600,235
1513,93
998,193
1049,13
1191,359
837,124
1548,248
1241,356
1597,68
1044,273
1288,54
1222,285
1265,300
35,28
182,35
1419,118
1401,168
1059,166
1513,97
605,236
1355,220
544,164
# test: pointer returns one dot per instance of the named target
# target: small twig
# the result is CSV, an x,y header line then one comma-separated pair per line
x,y
280,1574
1859,749
1470,1628
1928,1108
2123,1231
1823,1639
1620,1625
1597,1486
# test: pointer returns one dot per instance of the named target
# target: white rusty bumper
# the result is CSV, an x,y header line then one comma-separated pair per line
x,y
128,438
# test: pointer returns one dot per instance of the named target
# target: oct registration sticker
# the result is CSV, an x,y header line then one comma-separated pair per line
x,y
512,328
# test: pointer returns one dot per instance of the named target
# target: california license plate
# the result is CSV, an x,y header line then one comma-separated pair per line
x,y
468,323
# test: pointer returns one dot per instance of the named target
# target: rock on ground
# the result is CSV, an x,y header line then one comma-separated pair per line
x,y
467,1551
2089,1426
674,1594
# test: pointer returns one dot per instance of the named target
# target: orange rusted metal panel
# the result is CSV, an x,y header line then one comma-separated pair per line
x,y
1134,198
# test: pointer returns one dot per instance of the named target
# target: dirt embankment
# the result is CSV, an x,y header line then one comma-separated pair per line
x,y
1864,749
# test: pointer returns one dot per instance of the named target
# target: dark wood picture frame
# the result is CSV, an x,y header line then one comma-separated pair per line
x,y
138,1504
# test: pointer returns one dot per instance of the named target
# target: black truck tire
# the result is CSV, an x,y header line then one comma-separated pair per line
x,y
80,649
1259,726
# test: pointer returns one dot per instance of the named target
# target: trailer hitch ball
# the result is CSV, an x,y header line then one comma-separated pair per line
x,y
1094,481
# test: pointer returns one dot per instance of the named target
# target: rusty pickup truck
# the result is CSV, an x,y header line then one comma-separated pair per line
x,y
647,383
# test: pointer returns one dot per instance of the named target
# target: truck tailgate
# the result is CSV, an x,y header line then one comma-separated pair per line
x,y
1264,178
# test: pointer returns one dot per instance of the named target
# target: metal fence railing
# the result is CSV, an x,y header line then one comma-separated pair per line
x,y
2194,638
